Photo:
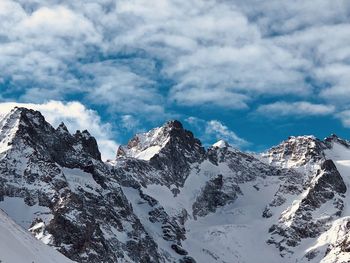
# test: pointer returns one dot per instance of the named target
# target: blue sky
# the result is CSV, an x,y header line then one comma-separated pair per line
x,y
252,72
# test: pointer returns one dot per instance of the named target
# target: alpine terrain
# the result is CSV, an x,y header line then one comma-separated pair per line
x,y
166,198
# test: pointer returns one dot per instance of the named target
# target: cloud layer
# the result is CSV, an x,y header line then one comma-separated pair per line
x,y
294,109
145,62
224,53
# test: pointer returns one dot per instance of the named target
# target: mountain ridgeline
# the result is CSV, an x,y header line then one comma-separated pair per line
x,y
165,198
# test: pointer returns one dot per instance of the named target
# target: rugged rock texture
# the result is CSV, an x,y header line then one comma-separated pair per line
x,y
170,149
214,195
318,190
167,199
296,152
64,173
301,222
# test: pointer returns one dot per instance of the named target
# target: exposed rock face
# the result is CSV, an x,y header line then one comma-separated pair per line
x,y
170,149
333,138
243,167
319,193
181,151
167,199
213,196
296,152
64,173
300,222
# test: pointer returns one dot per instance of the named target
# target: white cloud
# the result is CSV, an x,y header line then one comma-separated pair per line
x,y
202,96
226,54
294,109
344,116
76,117
122,90
214,54
222,132
58,21
338,76
285,17
129,122
215,130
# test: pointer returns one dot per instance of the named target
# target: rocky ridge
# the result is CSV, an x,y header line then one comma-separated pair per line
x,y
168,199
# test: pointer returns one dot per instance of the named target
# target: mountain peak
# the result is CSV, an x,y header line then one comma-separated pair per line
x,y
88,143
169,148
62,128
29,113
24,123
145,145
296,151
221,144
173,124
333,138
27,128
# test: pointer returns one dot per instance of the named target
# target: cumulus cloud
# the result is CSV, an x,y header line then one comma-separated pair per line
x,y
222,132
283,17
76,117
294,109
135,58
122,90
215,130
129,122
339,77
344,116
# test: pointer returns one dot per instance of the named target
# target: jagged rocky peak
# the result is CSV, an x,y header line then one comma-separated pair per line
x,y
333,138
70,200
27,129
296,151
88,143
24,117
221,144
145,146
23,125
9,123
321,202
62,128
170,149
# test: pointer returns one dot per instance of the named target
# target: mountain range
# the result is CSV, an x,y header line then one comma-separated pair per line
x,y
166,198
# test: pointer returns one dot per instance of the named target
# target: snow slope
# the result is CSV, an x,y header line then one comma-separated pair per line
x,y
168,199
22,213
236,232
18,245
341,157
145,145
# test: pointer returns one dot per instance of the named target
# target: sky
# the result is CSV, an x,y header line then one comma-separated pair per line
x,y
252,72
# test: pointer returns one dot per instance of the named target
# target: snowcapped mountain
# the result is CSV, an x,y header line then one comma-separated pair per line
x,y
67,196
165,198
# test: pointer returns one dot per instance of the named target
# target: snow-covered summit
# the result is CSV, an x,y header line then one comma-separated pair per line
x,y
170,149
295,151
333,139
144,146
167,199
221,144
